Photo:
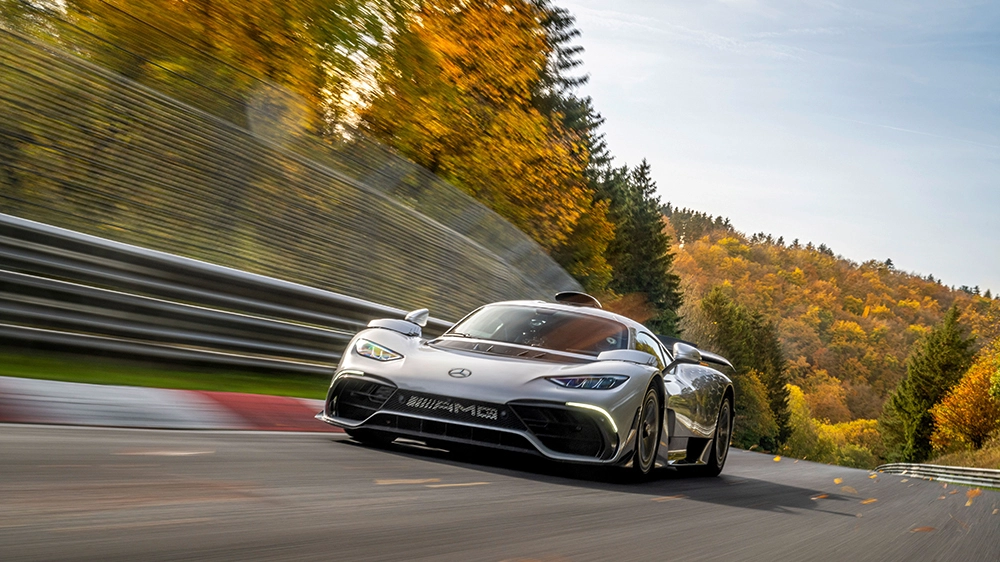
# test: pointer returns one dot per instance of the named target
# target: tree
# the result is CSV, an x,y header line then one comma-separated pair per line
x,y
640,255
754,423
969,414
935,365
750,342
555,95
459,97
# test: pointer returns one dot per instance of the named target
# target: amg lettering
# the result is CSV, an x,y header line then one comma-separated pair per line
x,y
486,413
443,405
460,409
417,402
473,410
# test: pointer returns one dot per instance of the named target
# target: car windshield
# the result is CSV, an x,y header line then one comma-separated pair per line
x,y
557,330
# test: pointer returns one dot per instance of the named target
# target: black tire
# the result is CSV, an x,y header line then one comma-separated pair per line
x,y
720,442
371,437
647,438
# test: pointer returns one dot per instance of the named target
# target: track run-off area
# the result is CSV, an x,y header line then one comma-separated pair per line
x,y
76,493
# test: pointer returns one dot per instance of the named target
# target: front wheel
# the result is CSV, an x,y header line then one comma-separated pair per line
x,y
648,436
720,443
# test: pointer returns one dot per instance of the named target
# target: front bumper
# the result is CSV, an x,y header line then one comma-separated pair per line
x,y
576,433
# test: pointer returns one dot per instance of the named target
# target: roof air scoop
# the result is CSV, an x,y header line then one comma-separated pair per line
x,y
577,298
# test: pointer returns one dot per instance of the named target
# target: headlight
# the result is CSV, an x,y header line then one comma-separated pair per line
x,y
602,382
375,351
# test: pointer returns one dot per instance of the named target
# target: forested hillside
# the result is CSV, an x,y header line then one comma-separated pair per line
x,y
844,330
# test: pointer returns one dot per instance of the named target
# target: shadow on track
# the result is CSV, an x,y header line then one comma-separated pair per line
x,y
665,483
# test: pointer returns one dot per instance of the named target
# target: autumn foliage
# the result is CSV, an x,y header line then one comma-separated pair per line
x,y
970,414
846,330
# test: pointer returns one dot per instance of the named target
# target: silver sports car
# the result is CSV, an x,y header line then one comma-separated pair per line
x,y
566,380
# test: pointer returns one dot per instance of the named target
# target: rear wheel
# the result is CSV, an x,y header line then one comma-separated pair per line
x,y
720,443
370,437
647,439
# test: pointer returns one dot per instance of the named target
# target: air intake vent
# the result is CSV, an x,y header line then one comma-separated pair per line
x,y
357,399
562,430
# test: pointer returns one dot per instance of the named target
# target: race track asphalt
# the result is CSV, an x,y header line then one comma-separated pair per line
x,y
70,493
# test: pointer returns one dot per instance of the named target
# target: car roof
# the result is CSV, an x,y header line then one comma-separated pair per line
x,y
587,310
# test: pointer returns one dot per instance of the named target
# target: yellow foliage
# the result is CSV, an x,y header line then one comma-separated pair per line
x,y
881,310
862,433
847,332
855,443
796,276
458,101
734,247
970,414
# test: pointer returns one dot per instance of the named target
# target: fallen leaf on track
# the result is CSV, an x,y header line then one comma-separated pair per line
x,y
777,458
942,497
848,490
668,498
952,492
873,476
972,494
820,497
905,480
396,481
922,529
868,501
995,511
838,480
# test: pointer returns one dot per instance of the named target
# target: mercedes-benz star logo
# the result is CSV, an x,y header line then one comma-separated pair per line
x,y
459,373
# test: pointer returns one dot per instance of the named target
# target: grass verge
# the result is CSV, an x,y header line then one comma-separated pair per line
x,y
987,457
96,370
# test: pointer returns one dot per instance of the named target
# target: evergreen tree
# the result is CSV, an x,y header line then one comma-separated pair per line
x,y
934,366
640,255
751,344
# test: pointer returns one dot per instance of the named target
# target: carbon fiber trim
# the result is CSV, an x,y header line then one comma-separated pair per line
x,y
454,432
454,409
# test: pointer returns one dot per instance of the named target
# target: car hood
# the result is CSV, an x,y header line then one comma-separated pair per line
x,y
498,376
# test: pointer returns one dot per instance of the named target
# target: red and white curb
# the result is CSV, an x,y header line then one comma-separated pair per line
x,y
67,403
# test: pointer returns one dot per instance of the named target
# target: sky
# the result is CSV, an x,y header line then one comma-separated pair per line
x,y
872,127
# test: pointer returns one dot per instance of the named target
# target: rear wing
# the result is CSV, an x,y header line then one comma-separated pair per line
x,y
706,356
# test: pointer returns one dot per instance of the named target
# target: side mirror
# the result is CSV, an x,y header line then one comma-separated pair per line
x,y
684,353
418,317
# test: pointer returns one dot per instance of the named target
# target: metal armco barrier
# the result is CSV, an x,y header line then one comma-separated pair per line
x,y
60,288
955,474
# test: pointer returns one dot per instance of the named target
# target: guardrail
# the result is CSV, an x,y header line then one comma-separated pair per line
x,y
60,288
954,474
